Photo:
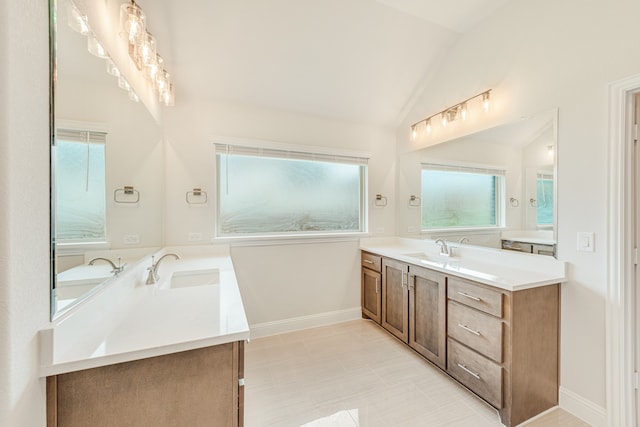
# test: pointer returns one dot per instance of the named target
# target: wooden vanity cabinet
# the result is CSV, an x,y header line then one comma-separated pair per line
x,y
502,345
195,388
371,286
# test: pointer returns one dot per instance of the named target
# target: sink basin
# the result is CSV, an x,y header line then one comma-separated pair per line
x,y
425,258
187,279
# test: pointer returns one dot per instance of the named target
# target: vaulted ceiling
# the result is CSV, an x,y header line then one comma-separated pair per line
x,y
355,60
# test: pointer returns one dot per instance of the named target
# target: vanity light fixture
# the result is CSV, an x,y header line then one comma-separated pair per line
x,y
450,114
143,51
80,24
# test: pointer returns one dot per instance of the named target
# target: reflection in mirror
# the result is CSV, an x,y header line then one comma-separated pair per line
x,y
103,142
493,188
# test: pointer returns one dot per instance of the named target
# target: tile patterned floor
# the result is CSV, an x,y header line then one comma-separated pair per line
x,y
355,374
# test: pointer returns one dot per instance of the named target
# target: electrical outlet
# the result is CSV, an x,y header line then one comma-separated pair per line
x,y
131,239
194,237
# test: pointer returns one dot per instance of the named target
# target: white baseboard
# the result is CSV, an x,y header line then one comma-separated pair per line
x,y
305,322
582,408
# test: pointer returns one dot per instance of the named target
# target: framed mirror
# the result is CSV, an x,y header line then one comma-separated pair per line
x,y
493,188
107,167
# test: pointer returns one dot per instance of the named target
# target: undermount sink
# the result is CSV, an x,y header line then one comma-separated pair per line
x,y
431,258
187,279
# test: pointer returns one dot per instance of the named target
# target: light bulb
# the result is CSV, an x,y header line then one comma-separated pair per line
x,y
112,69
445,121
414,133
485,101
133,96
167,96
162,81
154,67
132,23
428,127
148,49
95,48
77,21
463,111
123,83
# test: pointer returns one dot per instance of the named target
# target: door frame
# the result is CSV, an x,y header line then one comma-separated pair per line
x,y
620,305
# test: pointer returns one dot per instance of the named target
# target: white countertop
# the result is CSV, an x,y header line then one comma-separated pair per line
x,y
507,270
130,320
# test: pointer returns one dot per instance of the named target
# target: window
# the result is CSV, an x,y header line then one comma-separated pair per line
x,y
80,185
544,211
275,192
461,197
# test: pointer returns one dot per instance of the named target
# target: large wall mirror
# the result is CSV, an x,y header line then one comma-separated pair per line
x,y
494,188
107,170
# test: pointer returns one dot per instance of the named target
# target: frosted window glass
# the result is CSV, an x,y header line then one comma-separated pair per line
x,y
263,195
545,201
80,191
458,199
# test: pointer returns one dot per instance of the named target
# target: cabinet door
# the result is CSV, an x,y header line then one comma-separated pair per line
x,y
395,298
371,294
427,319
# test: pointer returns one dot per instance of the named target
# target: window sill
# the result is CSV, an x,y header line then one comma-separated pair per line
x,y
475,230
297,239
79,248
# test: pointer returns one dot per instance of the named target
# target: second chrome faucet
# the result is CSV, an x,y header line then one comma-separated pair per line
x,y
153,270
444,249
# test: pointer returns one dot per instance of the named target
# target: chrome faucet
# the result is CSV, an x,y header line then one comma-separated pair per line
x,y
116,269
444,249
463,240
153,270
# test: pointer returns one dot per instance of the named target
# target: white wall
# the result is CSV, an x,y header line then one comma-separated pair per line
x,y
24,212
277,281
540,55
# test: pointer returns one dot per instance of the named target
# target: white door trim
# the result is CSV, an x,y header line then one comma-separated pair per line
x,y
620,296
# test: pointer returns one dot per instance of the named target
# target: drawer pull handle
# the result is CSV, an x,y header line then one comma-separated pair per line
x,y
470,296
468,329
368,261
469,371
377,285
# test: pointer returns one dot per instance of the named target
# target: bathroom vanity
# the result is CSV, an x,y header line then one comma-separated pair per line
x,y
489,319
170,353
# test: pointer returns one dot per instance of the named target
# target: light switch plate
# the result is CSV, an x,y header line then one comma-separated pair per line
x,y
586,241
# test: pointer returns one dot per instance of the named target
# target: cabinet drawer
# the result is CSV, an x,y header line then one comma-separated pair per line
x,y
477,330
371,261
479,374
475,296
